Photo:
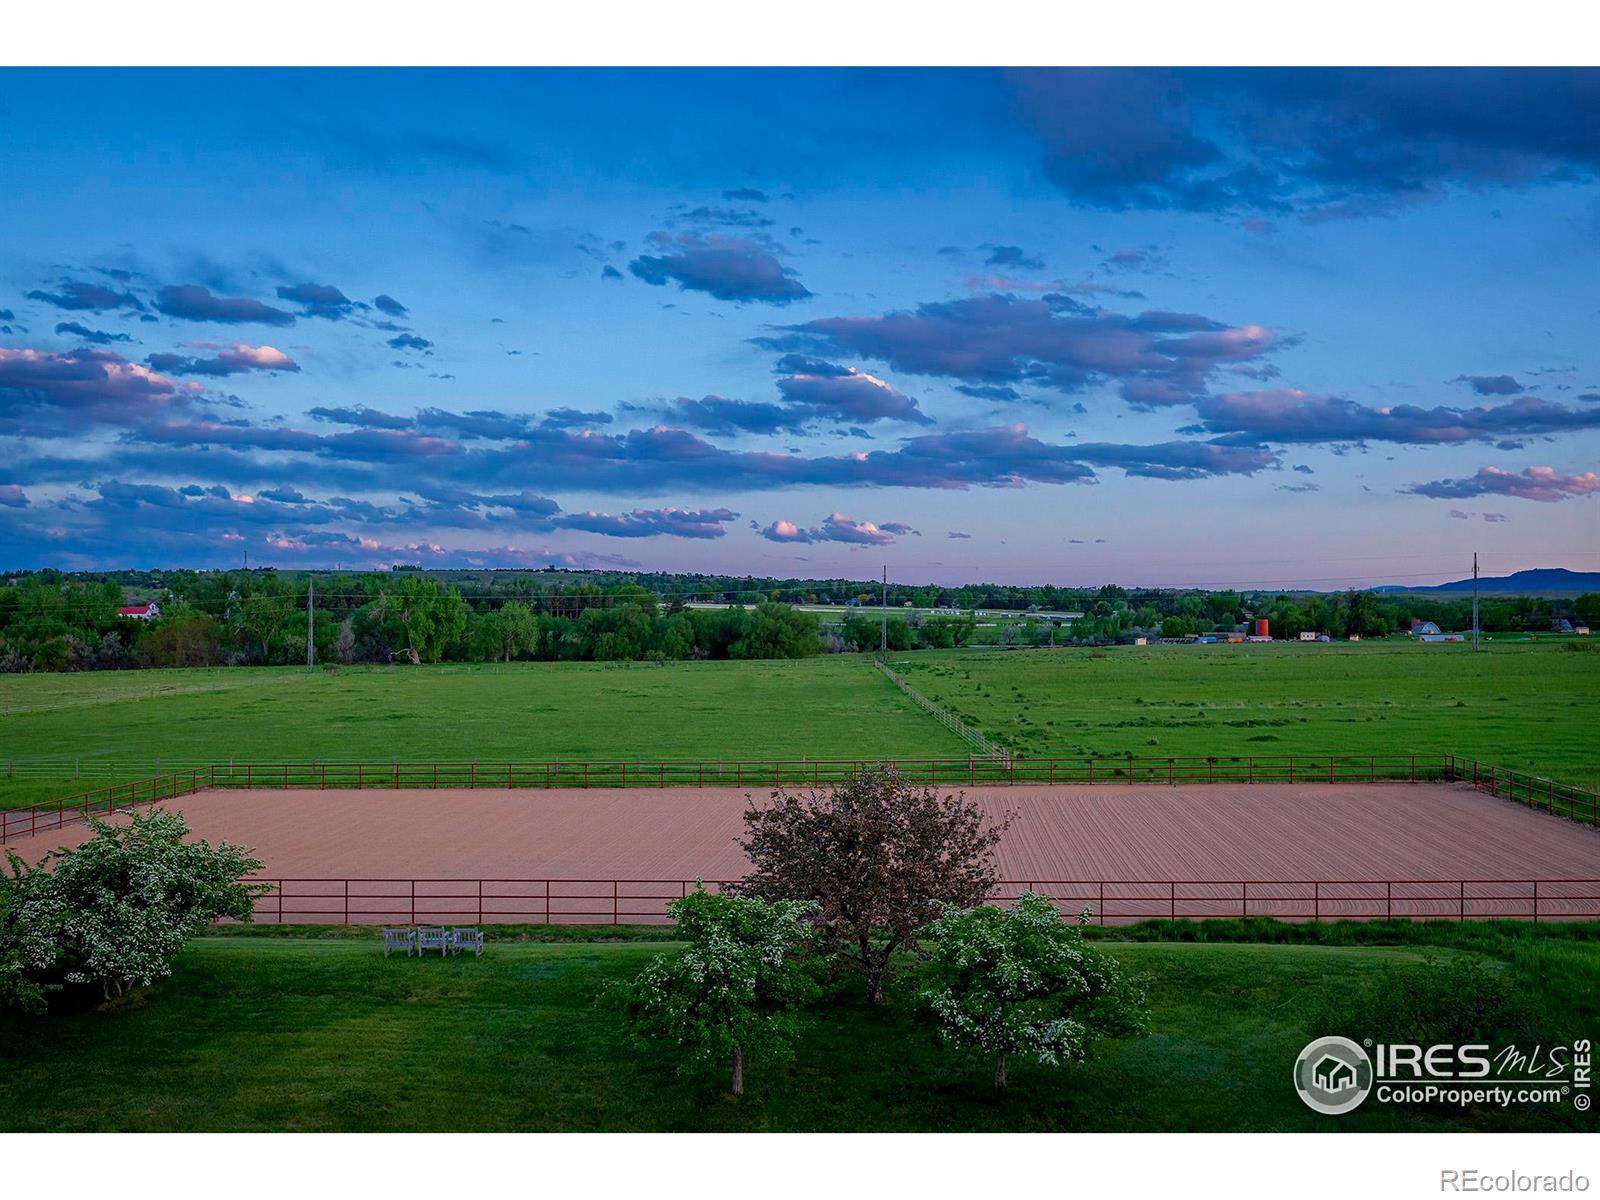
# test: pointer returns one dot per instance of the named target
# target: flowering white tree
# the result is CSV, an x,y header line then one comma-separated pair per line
x,y
116,910
735,989
1023,981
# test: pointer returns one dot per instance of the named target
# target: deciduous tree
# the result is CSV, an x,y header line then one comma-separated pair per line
x,y
115,911
1021,981
879,855
734,992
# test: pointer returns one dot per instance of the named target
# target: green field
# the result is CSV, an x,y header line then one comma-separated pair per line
x,y
1531,706
294,1033
67,733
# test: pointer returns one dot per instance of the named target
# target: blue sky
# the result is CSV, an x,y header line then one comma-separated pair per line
x,y
1215,327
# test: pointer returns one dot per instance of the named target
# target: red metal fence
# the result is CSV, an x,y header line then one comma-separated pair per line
x,y
1534,791
1111,902
71,810
972,771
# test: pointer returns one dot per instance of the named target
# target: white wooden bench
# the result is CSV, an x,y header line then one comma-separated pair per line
x,y
399,939
463,938
431,937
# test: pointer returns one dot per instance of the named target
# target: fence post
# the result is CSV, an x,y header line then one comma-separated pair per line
x,y
413,901
1172,900
1102,909
1535,901
1461,902
1316,900
347,902
1388,899
615,920
547,902
480,902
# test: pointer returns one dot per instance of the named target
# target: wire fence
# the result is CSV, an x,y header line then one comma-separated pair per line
x,y
1108,902
985,746
1537,792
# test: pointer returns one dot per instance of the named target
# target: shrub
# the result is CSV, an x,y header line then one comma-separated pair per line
x,y
1456,999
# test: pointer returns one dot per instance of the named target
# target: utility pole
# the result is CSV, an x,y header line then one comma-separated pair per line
x,y
883,637
1475,600
311,641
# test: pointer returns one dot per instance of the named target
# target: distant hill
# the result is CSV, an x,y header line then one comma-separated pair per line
x,y
1539,581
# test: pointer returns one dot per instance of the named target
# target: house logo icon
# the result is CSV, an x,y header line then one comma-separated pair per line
x,y
1333,1075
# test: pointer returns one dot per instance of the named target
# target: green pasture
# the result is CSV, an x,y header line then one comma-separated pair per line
x,y
300,1033
1533,706
112,726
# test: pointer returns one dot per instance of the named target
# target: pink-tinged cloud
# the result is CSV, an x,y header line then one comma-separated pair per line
x,y
838,528
236,359
1544,484
843,394
58,395
1052,340
785,531
12,496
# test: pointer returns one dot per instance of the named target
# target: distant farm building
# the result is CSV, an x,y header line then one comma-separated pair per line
x,y
1441,637
1308,636
1423,628
140,612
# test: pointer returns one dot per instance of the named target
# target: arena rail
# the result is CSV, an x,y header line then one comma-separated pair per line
x,y
1110,902
1533,791
971,771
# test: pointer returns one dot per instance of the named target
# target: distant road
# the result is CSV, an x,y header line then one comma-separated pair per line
x,y
843,610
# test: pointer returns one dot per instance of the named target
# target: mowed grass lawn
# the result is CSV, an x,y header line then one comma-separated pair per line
x,y
1532,706
118,724
287,1033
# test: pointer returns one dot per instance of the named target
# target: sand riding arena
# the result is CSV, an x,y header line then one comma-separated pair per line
x,y
399,850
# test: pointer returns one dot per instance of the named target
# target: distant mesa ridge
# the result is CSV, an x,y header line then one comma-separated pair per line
x,y
1538,579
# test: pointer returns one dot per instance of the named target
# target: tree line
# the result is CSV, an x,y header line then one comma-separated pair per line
x,y
54,621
